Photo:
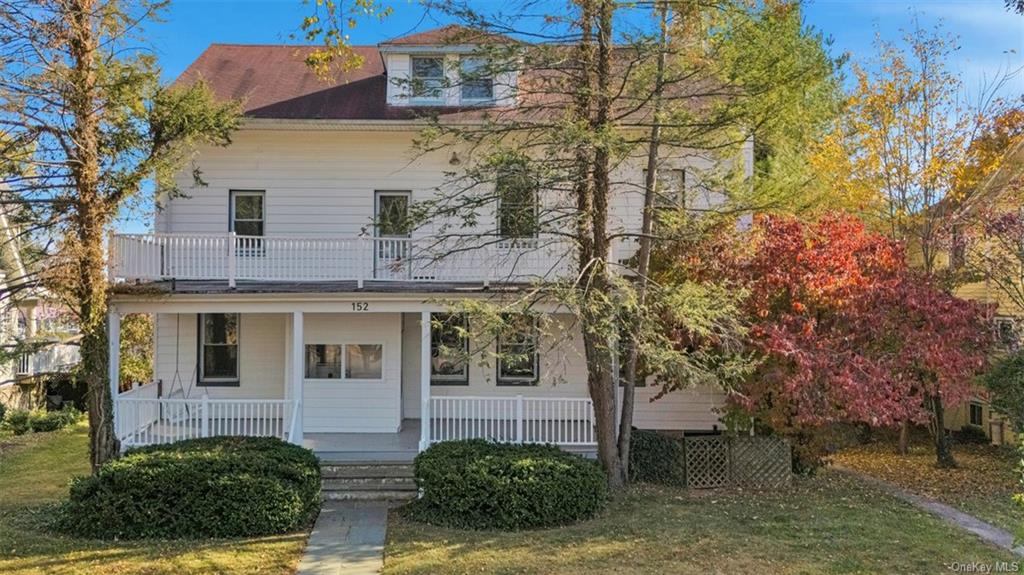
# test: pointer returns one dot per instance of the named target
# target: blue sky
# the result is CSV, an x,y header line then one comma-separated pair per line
x,y
991,38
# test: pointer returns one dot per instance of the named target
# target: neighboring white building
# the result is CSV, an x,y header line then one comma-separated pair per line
x,y
29,315
281,309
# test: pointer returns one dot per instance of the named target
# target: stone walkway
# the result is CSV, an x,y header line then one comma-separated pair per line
x,y
348,538
986,531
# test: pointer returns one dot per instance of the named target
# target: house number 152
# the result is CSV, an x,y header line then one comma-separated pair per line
x,y
360,306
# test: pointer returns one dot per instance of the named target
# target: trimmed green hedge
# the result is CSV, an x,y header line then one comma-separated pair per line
x,y
656,458
215,487
21,421
476,484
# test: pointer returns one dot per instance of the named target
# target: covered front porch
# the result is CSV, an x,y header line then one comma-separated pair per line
x,y
351,382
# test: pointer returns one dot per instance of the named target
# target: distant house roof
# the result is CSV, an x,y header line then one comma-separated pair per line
x,y
451,34
273,81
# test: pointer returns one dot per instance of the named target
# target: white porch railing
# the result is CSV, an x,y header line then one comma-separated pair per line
x,y
276,258
144,419
566,421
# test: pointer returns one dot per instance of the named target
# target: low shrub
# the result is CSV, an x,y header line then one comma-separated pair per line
x,y
21,421
16,420
656,458
972,434
475,484
3,411
214,487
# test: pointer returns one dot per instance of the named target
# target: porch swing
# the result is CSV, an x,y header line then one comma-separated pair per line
x,y
180,414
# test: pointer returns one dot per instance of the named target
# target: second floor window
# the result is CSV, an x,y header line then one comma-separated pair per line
x,y
218,344
1006,331
427,78
247,215
477,83
669,189
516,189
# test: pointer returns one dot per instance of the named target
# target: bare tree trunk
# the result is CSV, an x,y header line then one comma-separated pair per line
x,y
643,266
89,220
943,451
904,442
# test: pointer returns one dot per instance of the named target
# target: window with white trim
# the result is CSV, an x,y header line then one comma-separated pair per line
x,y
352,361
428,78
477,83
516,189
247,213
669,188
518,357
449,347
218,346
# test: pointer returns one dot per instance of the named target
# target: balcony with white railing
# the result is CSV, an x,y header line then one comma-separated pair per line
x,y
233,258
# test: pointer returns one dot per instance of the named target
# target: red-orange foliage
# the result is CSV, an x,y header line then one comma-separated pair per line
x,y
848,332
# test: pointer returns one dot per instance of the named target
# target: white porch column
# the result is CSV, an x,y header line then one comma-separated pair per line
x,y
424,380
114,358
298,363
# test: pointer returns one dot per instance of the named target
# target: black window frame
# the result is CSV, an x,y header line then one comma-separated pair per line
x,y
975,407
519,381
444,379
201,379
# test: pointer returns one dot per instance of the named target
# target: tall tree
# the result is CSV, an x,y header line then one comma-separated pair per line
x,y
86,125
599,90
907,132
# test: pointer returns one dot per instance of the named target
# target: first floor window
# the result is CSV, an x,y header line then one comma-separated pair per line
x,y
518,361
218,343
323,361
363,361
449,347
348,361
976,418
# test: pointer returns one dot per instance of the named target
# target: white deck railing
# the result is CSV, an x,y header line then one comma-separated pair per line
x,y
144,419
566,421
230,257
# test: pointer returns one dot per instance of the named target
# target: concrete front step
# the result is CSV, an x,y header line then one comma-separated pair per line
x,y
367,481
367,470
369,484
369,495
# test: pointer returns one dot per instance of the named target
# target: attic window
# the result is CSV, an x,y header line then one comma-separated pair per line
x,y
477,82
427,78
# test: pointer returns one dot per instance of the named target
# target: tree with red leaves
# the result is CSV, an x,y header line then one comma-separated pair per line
x,y
849,334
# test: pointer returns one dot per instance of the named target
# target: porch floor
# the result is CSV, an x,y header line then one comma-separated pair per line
x,y
351,447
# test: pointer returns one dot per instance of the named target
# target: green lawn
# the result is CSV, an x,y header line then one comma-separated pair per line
x,y
34,475
983,484
827,524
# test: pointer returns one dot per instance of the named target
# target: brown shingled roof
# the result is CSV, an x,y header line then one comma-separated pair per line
x,y
273,81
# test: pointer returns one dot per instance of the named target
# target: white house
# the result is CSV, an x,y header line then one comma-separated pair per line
x,y
29,315
283,309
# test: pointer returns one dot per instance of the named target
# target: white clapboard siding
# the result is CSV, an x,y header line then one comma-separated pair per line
x,y
398,67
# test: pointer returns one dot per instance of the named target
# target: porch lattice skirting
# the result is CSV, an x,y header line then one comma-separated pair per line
x,y
723,461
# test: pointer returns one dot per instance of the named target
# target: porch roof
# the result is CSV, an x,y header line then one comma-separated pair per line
x,y
169,287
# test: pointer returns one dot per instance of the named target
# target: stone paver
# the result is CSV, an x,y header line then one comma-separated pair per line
x,y
348,539
986,531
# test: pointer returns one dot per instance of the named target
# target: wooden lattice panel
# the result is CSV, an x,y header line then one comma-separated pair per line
x,y
707,462
760,462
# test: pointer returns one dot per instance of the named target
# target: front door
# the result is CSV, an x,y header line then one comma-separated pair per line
x,y
391,235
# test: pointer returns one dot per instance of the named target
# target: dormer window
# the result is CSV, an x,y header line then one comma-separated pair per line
x,y
427,78
477,82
